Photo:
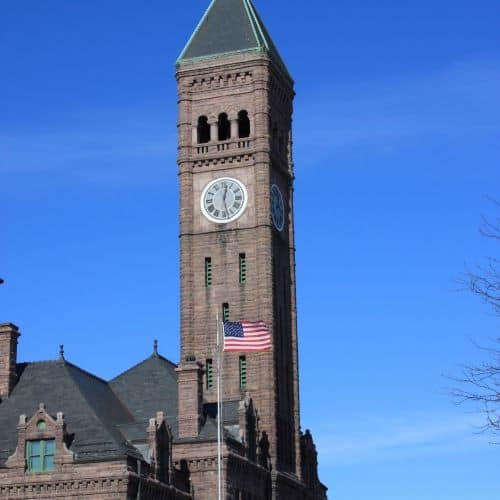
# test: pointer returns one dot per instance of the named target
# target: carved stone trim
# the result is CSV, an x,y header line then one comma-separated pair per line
x,y
230,160
220,81
61,489
30,430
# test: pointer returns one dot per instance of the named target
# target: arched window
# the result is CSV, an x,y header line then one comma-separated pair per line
x,y
243,124
224,127
203,130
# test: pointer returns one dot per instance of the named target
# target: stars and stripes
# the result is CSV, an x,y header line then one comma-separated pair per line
x,y
246,336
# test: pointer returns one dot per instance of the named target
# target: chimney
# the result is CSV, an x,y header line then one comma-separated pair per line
x,y
8,358
190,384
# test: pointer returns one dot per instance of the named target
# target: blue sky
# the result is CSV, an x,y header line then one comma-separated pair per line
x,y
396,126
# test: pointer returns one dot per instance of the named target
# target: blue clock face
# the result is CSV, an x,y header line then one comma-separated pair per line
x,y
277,208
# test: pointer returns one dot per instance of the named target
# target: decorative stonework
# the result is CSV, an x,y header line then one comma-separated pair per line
x,y
219,81
229,161
31,429
65,488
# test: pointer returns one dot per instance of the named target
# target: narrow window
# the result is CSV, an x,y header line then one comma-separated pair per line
x,y
210,374
275,136
243,371
208,272
203,130
224,127
225,311
243,268
243,124
40,455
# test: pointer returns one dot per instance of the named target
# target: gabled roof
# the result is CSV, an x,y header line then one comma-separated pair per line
x,y
230,26
91,409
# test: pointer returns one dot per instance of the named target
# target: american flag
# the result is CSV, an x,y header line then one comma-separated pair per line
x,y
246,336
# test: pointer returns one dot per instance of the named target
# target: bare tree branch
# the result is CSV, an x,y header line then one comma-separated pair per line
x,y
480,384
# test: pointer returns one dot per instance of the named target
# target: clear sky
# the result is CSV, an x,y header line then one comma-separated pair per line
x,y
396,125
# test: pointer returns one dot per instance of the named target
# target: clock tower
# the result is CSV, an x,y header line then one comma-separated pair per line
x,y
237,250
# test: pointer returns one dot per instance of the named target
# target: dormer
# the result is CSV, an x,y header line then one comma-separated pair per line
x,y
42,443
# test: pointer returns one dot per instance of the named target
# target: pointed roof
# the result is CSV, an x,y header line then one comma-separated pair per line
x,y
92,411
149,387
227,27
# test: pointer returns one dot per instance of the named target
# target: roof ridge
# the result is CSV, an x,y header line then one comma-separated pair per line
x,y
66,362
255,23
269,43
195,32
90,406
248,9
157,356
166,359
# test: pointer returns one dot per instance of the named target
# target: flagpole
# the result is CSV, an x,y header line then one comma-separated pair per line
x,y
219,407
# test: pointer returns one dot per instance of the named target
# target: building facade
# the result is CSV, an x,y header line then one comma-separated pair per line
x,y
152,431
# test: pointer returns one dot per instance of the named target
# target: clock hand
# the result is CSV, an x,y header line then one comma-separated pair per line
x,y
224,198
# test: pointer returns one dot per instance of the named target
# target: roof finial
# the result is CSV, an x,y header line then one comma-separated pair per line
x,y
61,352
155,348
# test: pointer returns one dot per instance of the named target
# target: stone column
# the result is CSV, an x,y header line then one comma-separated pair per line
x,y
214,131
190,383
234,129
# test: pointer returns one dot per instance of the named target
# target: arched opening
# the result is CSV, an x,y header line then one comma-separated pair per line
x,y
203,130
224,127
243,124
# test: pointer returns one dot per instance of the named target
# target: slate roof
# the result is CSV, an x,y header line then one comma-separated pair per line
x,y
108,419
147,388
230,26
91,409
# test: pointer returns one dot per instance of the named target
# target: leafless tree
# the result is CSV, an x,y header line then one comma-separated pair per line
x,y
480,383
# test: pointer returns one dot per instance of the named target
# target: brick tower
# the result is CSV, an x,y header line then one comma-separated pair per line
x,y
236,215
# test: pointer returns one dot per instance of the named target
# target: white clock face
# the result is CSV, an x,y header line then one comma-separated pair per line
x,y
277,208
224,200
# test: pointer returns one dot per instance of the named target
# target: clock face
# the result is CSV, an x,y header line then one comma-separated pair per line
x,y
277,208
224,200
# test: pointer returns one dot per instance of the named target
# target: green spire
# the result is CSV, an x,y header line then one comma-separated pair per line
x,y
230,26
